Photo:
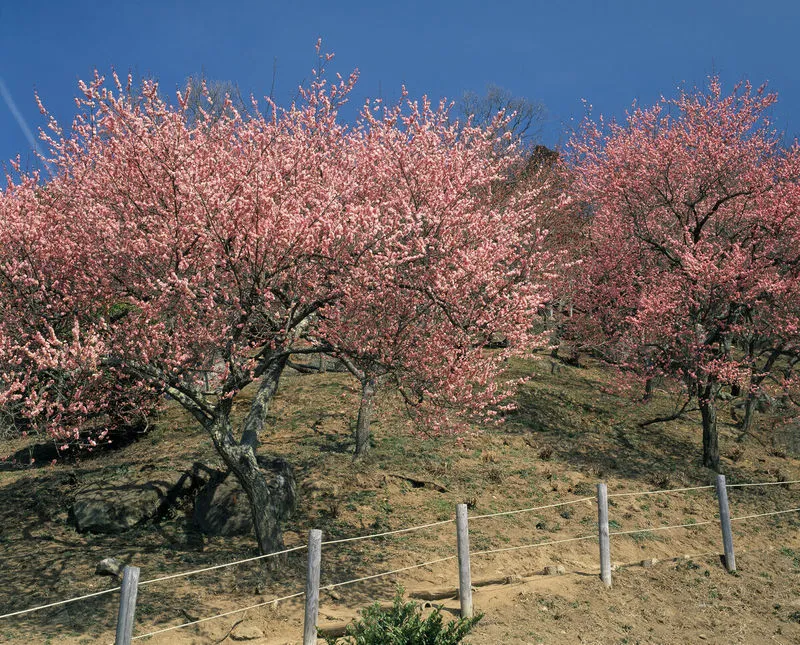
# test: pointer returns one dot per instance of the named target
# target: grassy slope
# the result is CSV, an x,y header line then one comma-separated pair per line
x,y
571,430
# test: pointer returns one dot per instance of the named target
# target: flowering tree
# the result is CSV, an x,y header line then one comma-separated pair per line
x,y
563,219
164,246
693,242
453,264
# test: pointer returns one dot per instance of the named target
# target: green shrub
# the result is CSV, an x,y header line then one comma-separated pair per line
x,y
402,624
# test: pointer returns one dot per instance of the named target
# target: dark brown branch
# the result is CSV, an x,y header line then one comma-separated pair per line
x,y
670,417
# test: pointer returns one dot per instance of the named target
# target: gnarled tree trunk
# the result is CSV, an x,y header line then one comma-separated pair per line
x,y
241,461
257,416
362,434
750,405
240,457
753,393
707,400
648,389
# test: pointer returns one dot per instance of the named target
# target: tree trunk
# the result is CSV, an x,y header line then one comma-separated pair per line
x,y
707,399
257,416
362,435
648,389
749,412
754,391
241,460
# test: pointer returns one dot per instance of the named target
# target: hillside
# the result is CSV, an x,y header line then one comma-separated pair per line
x,y
572,429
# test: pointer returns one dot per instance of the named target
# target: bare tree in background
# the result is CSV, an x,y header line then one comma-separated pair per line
x,y
527,117
209,96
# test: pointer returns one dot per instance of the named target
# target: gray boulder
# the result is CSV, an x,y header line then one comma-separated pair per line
x,y
222,506
118,505
115,509
109,567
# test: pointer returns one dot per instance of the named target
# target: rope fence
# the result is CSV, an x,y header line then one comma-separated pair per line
x,y
60,602
659,492
749,517
385,533
531,546
534,508
663,528
222,566
223,615
130,583
796,481
390,573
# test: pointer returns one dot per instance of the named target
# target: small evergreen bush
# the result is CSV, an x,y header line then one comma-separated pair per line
x,y
402,624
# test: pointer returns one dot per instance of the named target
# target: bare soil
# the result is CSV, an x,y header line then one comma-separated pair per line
x,y
572,429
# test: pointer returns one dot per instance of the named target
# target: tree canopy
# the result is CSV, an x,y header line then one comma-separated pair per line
x,y
693,267
170,242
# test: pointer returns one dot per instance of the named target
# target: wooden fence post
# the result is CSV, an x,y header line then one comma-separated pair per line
x,y
725,523
312,587
464,575
127,605
602,523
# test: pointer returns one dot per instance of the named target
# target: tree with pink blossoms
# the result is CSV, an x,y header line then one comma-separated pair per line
x,y
165,246
454,264
693,266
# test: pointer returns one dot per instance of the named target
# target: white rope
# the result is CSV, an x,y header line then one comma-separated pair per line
x,y
683,526
388,573
796,481
222,566
663,528
747,517
531,546
657,492
377,535
227,613
535,508
60,602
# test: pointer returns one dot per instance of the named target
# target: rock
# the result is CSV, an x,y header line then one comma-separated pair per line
x,y
554,570
333,364
496,341
650,562
116,506
246,632
190,481
222,506
109,567
513,579
115,509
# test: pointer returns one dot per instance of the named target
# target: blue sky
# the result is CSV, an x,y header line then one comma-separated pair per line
x,y
559,53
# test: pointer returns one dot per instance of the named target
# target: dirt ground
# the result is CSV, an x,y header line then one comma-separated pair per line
x,y
572,429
